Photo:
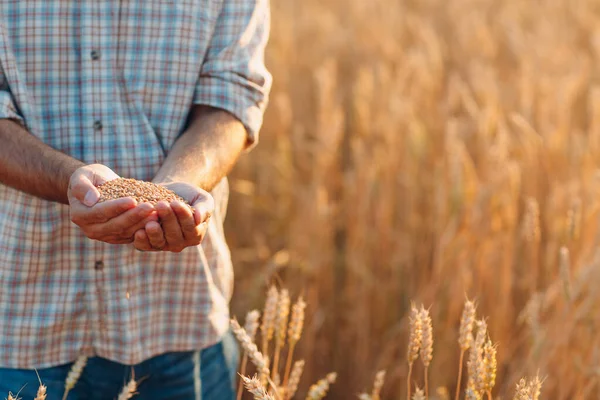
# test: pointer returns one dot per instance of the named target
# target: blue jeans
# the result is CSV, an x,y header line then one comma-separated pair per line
x,y
207,375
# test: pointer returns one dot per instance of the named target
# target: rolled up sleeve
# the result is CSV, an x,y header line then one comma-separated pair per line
x,y
233,76
8,109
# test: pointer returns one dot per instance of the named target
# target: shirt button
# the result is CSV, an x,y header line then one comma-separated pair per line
x,y
98,265
98,125
95,54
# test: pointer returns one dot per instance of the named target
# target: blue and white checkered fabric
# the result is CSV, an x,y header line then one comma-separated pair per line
x,y
112,82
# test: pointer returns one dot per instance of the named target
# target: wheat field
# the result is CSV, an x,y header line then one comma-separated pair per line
x,y
429,150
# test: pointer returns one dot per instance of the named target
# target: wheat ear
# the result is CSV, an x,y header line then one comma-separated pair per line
x,y
426,345
74,375
250,326
377,385
319,390
414,343
281,322
465,338
475,363
41,393
294,334
130,389
267,327
294,381
489,368
419,394
254,386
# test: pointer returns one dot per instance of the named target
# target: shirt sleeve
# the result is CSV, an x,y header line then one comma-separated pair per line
x,y
8,109
233,76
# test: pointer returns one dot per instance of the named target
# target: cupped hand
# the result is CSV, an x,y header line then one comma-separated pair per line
x,y
112,221
179,226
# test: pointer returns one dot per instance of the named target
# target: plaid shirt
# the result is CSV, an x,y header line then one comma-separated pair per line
x,y
113,82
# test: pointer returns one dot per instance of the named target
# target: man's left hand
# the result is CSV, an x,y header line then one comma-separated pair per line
x,y
179,226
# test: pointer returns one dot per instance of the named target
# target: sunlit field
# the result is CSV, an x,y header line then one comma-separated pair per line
x,y
429,150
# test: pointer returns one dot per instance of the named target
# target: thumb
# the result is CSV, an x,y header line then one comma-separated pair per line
x,y
83,189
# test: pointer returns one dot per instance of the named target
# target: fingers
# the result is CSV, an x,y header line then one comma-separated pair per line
x,y
156,236
101,212
204,207
141,241
83,182
170,226
82,188
126,224
186,220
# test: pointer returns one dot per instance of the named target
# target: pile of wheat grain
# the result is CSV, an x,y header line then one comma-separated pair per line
x,y
141,191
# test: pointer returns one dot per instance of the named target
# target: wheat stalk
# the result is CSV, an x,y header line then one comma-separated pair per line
x,y
294,334
74,375
281,322
414,343
426,345
465,337
319,390
250,326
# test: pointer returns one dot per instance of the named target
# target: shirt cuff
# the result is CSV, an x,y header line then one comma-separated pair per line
x,y
8,109
246,103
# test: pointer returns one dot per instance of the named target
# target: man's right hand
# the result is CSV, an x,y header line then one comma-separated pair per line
x,y
112,221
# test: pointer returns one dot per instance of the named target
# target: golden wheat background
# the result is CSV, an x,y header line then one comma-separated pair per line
x,y
428,150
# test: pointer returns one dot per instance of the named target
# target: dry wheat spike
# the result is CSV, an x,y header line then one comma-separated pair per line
x,y
281,323
250,326
128,390
319,390
415,325
268,323
419,394
465,337
426,344
41,393
489,368
250,348
475,363
294,334
256,388
74,375
294,380
377,385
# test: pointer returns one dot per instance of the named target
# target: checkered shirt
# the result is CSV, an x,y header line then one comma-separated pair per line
x,y
112,82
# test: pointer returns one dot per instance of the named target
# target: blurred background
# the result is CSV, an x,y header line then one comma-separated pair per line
x,y
429,150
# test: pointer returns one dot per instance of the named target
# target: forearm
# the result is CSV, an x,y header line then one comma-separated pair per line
x,y
206,151
29,165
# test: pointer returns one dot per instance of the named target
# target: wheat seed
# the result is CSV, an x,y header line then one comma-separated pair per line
x,y
141,191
